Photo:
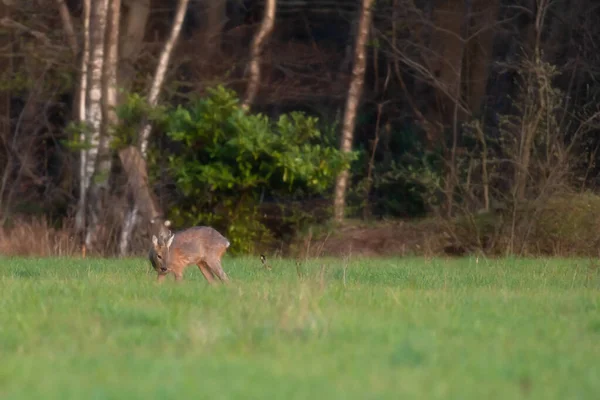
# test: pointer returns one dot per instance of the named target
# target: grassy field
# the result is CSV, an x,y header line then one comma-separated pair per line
x,y
393,328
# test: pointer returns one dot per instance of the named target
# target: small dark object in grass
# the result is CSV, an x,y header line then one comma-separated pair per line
x,y
263,260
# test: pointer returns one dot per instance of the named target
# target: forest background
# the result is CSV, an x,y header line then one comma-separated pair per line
x,y
385,127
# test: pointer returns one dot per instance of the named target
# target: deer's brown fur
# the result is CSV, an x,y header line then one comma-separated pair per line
x,y
200,245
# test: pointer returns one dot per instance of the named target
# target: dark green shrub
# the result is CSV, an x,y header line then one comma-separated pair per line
x,y
224,160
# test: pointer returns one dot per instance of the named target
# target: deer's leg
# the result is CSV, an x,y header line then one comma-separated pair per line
x,y
215,266
206,272
177,270
161,278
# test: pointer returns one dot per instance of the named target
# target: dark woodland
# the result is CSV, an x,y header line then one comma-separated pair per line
x,y
305,128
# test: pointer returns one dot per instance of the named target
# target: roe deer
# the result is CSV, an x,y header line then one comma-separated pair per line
x,y
200,245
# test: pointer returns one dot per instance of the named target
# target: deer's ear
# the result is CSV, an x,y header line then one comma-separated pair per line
x,y
154,240
170,241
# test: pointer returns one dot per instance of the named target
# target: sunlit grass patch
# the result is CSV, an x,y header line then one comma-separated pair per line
x,y
386,328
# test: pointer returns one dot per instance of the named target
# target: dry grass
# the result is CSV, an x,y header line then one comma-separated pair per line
x,y
36,237
564,225
390,238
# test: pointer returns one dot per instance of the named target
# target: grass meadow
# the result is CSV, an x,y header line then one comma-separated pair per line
x,y
366,329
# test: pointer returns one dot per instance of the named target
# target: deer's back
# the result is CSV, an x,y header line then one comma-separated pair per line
x,y
200,240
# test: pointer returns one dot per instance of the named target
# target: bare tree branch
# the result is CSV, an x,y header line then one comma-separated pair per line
x,y
11,24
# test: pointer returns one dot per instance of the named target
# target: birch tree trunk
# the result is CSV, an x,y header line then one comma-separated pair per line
x,y
99,188
266,28
161,71
83,81
94,114
352,100
157,83
110,89
112,61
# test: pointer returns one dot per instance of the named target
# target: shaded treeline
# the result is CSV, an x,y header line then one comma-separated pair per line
x,y
470,110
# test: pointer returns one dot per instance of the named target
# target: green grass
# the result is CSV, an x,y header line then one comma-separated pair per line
x,y
398,328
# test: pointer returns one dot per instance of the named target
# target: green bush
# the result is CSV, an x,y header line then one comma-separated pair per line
x,y
223,160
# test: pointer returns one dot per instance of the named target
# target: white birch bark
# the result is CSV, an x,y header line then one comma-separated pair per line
x,y
352,100
131,220
99,189
157,83
266,28
111,61
83,80
94,114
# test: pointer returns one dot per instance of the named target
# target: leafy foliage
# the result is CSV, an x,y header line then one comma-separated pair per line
x,y
405,176
226,159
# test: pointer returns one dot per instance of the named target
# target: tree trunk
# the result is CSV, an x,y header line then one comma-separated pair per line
x,y
354,94
348,47
144,201
479,52
81,116
94,114
161,71
258,43
100,187
6,67
159,77
110,91
134,26
112,62
67,22
132,37
215,16
451,174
